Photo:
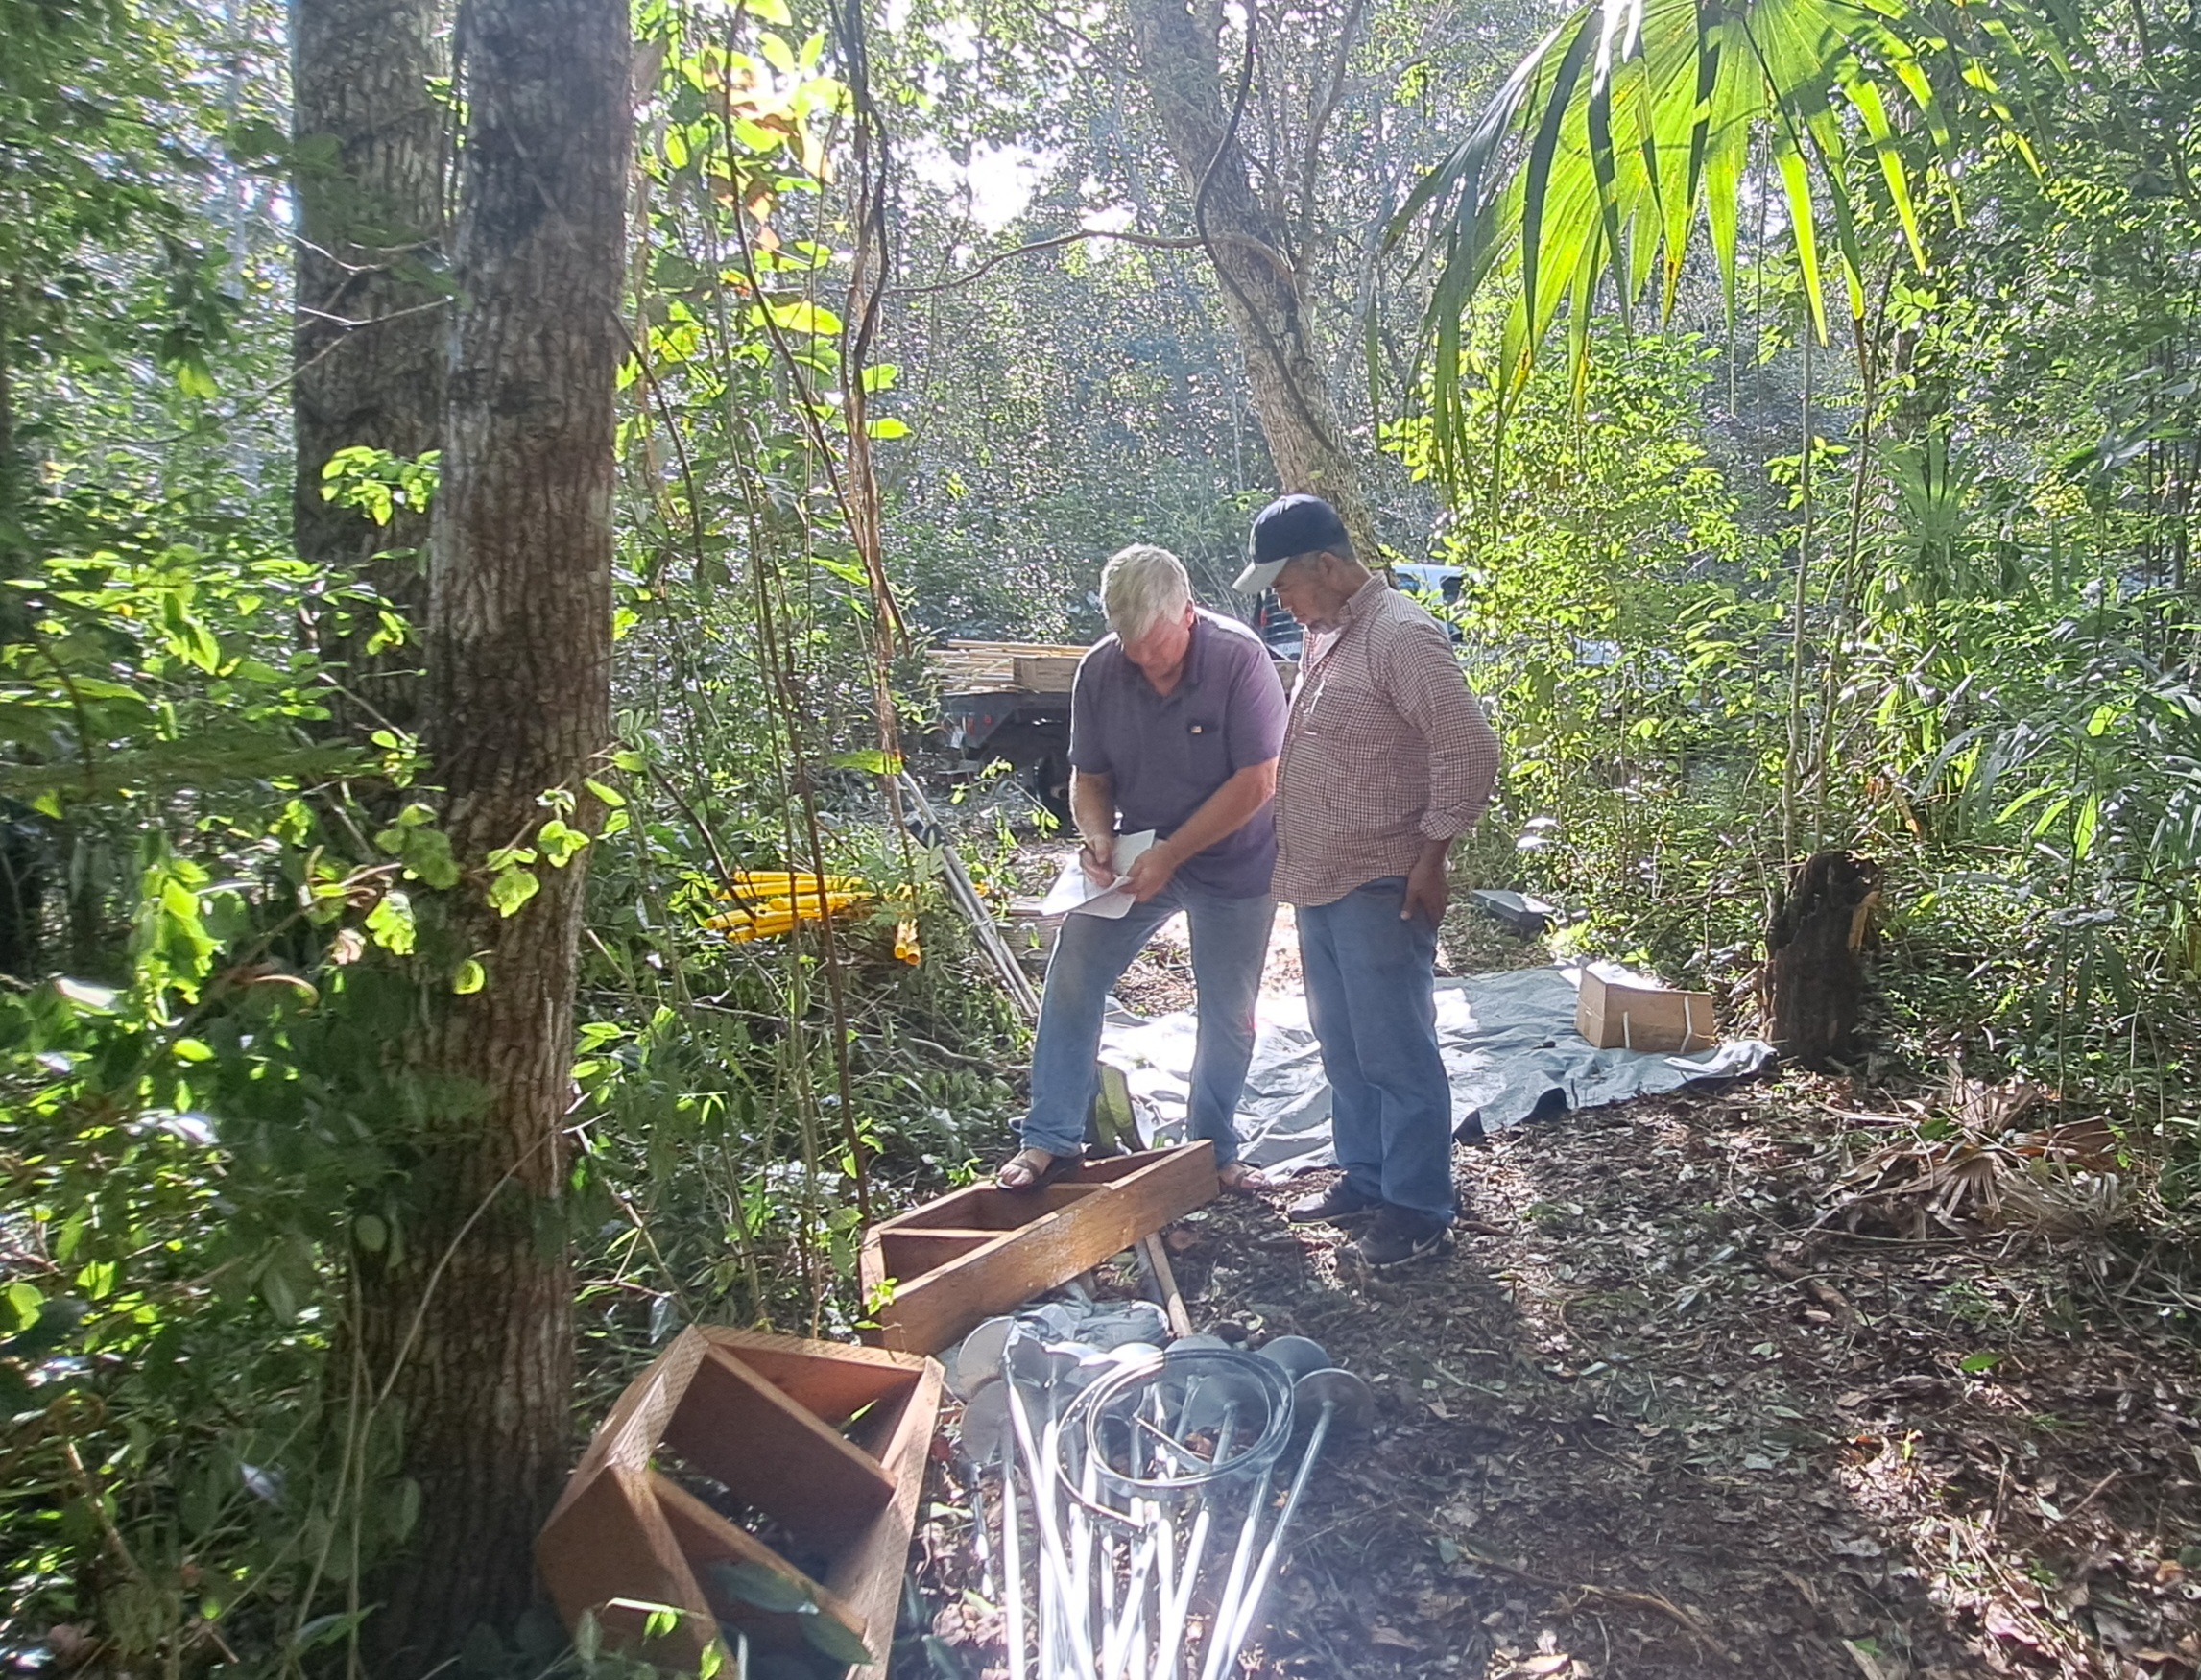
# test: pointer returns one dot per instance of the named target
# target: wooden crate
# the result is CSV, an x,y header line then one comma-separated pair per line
x,y
985,1250
768,1417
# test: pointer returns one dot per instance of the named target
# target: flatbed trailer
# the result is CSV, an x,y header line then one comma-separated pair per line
x,y
1010,700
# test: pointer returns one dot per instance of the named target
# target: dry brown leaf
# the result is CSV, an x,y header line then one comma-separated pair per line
x,y
1996,1109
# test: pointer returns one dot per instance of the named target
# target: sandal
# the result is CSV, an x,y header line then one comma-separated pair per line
x,y
1241,1178
1033,1169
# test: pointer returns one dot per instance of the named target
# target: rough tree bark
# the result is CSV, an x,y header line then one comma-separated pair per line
x,y
1812,986
475,1321
372,141
1180,62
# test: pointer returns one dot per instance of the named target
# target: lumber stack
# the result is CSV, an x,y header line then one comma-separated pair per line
x,y
976,666
1044,673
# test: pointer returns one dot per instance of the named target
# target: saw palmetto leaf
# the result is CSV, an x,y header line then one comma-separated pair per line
x,y
1632,123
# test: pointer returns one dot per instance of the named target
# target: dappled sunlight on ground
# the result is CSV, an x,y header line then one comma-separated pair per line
x,y
1642,1423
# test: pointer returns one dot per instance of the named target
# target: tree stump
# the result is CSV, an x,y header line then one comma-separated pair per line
x,y
1813,981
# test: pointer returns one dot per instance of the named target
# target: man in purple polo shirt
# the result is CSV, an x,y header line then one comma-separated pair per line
x,y
1175,724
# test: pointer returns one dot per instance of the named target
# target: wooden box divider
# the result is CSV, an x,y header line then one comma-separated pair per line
x,y
705,1538
764,1416
771,1453
984,1251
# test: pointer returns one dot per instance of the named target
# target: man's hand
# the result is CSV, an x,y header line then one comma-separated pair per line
x,y
1092,809
1149,872
1428,885
1098,856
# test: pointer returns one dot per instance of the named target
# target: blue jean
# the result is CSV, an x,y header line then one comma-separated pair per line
x,y
1229,942
1370,998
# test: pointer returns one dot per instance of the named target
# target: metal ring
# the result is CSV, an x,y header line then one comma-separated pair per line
x,y
1269,1385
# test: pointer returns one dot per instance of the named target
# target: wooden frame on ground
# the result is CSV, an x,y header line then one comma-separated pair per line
x,y
827,1442
984,1250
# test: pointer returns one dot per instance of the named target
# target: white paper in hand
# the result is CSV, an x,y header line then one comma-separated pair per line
x,y
1075,891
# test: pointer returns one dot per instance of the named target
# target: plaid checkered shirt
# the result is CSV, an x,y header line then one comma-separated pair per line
x,y
1385,749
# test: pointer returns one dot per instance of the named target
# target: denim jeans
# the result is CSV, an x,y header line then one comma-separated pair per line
x,y
1229,942
1370,998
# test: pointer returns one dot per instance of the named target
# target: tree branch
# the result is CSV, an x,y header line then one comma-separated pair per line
x,y
1147,241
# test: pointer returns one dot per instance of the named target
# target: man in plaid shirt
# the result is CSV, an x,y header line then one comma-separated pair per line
x,y
1387,759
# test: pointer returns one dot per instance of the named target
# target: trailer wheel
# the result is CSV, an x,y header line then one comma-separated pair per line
x,y
1049,782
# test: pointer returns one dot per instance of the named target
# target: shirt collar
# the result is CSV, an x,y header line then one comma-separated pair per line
x,y
1362,600
1196,652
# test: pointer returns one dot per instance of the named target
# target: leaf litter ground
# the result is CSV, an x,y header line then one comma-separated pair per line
x,y
1649,1417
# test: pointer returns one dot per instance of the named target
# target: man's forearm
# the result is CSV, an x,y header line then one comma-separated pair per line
x,y
1430,692
1092,809
1463,769
1226,810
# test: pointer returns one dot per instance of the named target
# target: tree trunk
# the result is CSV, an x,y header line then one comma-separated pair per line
x,y
14,549
1181,65
22,837
372,140
518,703
23,890
1813,982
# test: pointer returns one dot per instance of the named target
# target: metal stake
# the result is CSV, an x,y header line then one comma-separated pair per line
x,y
1210,1665
1338,1390
1053,1560
1115,1648
1013,1568
1174,1611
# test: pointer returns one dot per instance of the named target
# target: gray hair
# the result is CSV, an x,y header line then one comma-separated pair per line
x,y
1141,585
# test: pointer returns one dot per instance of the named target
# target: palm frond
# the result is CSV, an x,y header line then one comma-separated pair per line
x,y
1631,123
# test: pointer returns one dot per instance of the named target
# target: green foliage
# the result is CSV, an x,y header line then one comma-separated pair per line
x,y
88,172
1994,695
1954,627
738,1100
189,1148
1612,527
211,1121
1116,360
144,664
1634,118
378,482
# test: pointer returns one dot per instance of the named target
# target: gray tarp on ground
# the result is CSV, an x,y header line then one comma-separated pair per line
x,y
1509,1043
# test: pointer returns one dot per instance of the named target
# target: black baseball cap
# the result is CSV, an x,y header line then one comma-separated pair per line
x,y
1288,528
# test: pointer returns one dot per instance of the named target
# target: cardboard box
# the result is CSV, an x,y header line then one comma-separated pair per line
x,y
1620,1011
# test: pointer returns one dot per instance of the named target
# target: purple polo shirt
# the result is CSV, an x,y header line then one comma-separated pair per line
x,y
1167,754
